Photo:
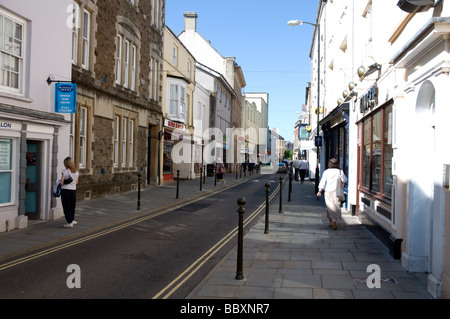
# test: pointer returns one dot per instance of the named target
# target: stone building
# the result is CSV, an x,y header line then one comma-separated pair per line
x,y
116,63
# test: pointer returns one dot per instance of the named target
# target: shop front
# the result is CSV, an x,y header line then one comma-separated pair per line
x,y
176,156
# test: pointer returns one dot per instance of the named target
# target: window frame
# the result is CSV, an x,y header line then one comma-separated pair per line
x,y
11,170
177,111
86,39
20,58
368,120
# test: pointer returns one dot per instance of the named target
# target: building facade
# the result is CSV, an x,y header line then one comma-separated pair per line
x,y
34,138
116,61
385,78
178,100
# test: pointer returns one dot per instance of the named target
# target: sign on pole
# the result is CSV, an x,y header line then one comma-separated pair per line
x,y
65,98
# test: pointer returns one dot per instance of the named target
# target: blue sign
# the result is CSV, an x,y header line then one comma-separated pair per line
x,y
318,141
65,98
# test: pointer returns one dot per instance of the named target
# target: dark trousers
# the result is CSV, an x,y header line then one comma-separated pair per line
x,y
296,174
68,201
302,174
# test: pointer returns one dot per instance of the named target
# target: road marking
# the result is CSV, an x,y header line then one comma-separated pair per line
x,y
185,275
122,225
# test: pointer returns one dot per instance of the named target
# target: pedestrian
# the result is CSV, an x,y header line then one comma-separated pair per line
x,y
296,165
220,169
328,184
69,181
302,168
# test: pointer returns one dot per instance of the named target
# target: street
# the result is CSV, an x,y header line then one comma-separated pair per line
x,y
161,255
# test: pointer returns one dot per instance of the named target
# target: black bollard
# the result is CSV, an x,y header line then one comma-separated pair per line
x,y
178,182
281,195
266,229
241,210
139,192
201,174
215,175
290,186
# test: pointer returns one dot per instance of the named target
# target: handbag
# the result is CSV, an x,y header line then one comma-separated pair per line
x,y
68,180
339,191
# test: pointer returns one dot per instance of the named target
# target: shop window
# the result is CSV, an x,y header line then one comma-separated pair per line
x,y
387,152
6,171
376,159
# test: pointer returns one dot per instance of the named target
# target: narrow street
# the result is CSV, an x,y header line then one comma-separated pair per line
x,y
157,256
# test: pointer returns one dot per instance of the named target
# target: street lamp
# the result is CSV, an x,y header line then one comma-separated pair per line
x,y
293,23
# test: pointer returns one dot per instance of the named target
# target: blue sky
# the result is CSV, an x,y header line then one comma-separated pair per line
x,y
273,56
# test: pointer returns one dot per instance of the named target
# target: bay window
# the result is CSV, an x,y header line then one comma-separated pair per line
x,y
177,100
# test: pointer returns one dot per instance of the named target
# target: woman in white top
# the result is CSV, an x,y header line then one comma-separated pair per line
x,y
328,183
68,191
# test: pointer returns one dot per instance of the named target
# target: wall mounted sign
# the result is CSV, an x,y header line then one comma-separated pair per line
x,y
65,98
175,125
370,99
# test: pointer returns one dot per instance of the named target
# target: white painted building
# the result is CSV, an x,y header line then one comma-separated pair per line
x,y
384,76
34,140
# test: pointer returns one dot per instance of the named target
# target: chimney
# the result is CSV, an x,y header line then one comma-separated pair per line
x,y
190,21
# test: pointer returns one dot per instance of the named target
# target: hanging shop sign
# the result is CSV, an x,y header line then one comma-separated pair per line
x,y
370,99
65,98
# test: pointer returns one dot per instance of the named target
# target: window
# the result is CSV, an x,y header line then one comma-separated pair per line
x,y
6,171
189,69
126,62
387,152
124,133
83,137
175,56
131,145
79,132
11,53
177,101
86,39
119,60
376,159
156,17
76,15
116,141
133,68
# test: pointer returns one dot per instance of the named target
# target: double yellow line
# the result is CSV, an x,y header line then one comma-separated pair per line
x,y
192,269
133,221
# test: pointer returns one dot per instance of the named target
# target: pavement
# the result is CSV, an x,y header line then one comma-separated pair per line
x,y
300,258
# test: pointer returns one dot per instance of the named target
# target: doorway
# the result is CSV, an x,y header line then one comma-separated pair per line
x,y
33,180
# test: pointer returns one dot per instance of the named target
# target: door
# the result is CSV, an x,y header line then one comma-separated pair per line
x,y
33,180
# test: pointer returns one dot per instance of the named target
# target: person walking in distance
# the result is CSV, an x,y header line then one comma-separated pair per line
x,y
220,171
69,181
296,165
302,168
328,184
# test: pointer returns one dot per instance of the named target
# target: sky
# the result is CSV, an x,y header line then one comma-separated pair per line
x,y
274,57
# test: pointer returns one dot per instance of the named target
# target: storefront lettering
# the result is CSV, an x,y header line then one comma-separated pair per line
x,y
5,125
370,99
